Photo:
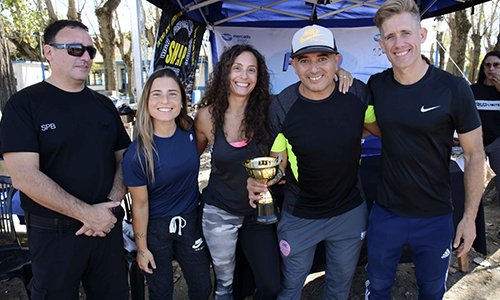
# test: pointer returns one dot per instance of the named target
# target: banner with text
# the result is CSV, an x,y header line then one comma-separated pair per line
x,y
178,44
359,47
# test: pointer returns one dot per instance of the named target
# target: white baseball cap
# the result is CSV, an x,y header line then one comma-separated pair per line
x,y
313,38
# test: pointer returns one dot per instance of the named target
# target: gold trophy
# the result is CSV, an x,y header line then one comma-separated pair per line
x,y
263,169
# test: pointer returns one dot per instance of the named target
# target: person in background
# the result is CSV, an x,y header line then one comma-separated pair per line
x,y
487,94
418,108
160,169
62,144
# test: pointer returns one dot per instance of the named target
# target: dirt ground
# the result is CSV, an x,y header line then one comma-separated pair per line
x,y
482,282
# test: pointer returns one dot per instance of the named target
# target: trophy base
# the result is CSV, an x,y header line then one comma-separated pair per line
x,y
266,213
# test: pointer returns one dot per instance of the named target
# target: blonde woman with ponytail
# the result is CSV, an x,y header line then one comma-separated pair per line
x,y
160,169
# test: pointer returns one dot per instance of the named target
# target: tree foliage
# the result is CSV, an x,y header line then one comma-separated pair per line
x,y
22,19
26,19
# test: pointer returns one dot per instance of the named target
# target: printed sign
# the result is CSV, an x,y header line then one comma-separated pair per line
x,y
178,44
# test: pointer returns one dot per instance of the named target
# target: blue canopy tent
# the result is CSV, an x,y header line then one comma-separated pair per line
x,y
284,14
243,15
299,13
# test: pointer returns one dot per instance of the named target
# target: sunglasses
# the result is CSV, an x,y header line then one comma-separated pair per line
x,y
495,64
76,49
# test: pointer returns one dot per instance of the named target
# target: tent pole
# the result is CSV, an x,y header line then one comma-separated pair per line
x,y
136,48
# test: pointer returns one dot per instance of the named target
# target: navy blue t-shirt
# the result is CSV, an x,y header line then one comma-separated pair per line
x,y
175,190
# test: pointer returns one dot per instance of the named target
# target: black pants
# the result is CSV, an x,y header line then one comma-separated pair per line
x,y
189,248
61,260
260,246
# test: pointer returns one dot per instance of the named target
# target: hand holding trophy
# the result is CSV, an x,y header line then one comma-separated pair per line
x,y
264,169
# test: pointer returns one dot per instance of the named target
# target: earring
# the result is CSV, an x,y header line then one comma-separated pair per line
x,y
182,106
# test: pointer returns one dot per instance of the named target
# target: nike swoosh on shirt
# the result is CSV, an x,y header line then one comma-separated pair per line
x,y
424,110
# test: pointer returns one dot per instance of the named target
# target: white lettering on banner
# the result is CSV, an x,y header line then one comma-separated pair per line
x,y
488,105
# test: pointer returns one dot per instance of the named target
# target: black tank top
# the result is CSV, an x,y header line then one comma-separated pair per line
x,y
226,187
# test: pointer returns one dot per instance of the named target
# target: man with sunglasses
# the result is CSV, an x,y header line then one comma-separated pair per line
x,y
62,144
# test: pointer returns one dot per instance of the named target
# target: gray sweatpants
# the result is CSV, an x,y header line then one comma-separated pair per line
x,y
220,229
343,236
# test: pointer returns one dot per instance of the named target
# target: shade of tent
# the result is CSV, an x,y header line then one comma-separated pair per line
x,y
292,14
299,13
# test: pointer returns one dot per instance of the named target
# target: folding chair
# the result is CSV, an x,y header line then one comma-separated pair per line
x,y
14,260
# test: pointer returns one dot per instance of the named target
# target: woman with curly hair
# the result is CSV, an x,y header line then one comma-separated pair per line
x,y
232,121
160,169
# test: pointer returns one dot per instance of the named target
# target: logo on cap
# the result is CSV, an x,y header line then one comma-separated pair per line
x,y
309,34
313,38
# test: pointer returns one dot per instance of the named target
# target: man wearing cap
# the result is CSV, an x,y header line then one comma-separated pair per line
x,y
318,130
418,108
62,144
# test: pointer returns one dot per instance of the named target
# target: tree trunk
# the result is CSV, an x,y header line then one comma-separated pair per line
x,y
150,32
441,50
479,30
127,59
50,11
7,79
26,51
104,15
475,52
497,45
431,54
72,12
460,27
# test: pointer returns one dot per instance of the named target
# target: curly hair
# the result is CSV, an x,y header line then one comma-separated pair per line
x,y
217,94
481,77
144,128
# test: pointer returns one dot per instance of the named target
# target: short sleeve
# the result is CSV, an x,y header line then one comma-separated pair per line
x,y
133,174
465,115
370,114
17,128
279,143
